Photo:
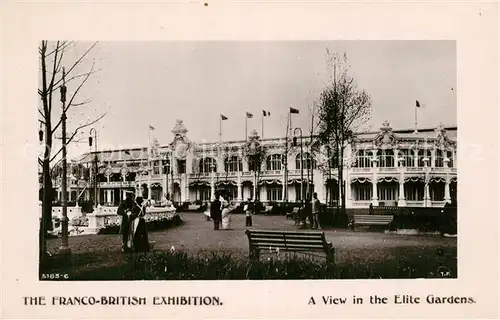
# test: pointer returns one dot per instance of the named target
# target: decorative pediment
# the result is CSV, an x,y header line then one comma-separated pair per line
x,y
442,140
125,170
385,138
181,143
253,145
108,171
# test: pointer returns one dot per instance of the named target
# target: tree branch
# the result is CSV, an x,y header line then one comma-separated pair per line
x,y
77,62
73,97
74,134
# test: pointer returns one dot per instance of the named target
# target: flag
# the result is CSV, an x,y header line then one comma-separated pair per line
x,y
418,104
249,115
293,110
266,113
223,117
151,127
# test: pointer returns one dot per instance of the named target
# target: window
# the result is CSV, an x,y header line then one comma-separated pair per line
x,y
208,165
408,159
274,193
306,160
165,166
233,164
449,155
254,163
364,192
334,160
421,155
363,159
387,192
181,165
414,191
156,167
437,191
274,162
386,158
205,194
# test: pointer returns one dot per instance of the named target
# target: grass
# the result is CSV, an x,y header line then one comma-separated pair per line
x,y
359,255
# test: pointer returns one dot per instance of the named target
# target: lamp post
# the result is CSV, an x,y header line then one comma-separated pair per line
x,y
96,193
64,249
301,163
43,237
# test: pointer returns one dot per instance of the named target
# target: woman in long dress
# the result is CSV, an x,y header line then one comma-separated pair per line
x,y
138,237
226,220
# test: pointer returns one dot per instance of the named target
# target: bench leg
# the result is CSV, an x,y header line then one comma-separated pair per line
x,y
254,254
330,257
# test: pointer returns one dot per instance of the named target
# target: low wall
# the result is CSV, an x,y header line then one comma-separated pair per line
x,y
107,216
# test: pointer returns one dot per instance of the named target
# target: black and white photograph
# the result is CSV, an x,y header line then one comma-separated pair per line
x,y
255,160
247,160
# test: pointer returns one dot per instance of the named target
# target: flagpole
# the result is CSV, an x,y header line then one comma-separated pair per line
x,y
220,129
262,126
246,130
415,118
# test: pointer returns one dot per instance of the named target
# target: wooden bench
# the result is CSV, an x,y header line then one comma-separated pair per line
x,y
288,241
372,220
294,214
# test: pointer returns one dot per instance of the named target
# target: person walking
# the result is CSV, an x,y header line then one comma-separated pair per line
x,y
215,212
316,208
249,207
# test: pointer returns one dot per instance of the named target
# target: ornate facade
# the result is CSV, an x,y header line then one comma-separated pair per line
x,y
387,168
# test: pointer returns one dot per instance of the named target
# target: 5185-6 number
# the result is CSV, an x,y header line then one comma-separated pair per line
x,y
54,276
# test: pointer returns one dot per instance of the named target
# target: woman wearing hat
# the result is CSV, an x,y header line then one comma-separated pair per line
x,y
138,235
226,220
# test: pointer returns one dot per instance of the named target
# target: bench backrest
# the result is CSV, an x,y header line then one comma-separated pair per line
x,y
372,218
286,240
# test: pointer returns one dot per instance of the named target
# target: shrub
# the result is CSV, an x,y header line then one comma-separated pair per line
x,y
224,266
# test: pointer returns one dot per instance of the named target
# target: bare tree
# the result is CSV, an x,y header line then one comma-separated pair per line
x,y
52,76
342,110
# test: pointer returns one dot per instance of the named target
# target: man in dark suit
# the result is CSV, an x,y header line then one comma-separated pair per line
x,y
215,212
124,209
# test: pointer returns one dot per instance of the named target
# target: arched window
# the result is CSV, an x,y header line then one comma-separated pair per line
x,y
386,158
233,164
274,162
308,163
208,165
363,159
439,158
407,156
421,155
156,167
334,160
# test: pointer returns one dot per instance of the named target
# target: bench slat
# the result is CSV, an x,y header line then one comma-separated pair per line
x,y
265,247
256,232
286,236
289,241
315,241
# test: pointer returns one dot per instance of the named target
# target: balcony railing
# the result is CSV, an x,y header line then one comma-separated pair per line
x,y
357,170
117,184
388,169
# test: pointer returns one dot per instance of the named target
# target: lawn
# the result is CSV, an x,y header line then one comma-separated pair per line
x,y
374,251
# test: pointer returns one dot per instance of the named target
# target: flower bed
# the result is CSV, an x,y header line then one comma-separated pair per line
x,y
153,222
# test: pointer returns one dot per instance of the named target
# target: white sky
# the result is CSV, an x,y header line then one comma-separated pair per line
x,y
143,83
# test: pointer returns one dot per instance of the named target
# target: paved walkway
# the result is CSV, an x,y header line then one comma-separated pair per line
x,y
197,235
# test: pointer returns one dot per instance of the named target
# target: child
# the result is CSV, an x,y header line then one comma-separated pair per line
x,y
248,208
